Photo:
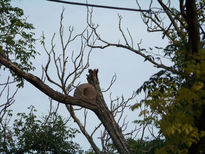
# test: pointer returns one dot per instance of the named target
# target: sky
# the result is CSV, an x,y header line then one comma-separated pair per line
x,y
131,70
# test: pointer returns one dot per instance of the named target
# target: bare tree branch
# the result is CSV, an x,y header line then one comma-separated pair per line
x,y
82,128
9,99
77,66
111,83
127,45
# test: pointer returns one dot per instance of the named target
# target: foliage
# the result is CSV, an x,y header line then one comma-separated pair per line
x,y
145,146
16,40
176,100
31,135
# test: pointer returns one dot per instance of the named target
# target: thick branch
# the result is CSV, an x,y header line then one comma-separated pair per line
x,y
193,25
106,116
35,81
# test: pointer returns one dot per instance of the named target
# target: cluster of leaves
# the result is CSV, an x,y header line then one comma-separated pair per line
x,y
16,39
174,102
145,146
31,135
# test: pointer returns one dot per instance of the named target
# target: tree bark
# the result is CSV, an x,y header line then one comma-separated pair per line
x,y
194,40
193,25
106,116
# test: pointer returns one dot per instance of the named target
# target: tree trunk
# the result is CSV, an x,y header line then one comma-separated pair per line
x,y
193,25
194,40
106,116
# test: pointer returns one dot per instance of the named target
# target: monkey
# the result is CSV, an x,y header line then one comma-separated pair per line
x,y
86,92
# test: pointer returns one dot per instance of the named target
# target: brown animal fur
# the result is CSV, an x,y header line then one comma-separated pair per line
x,y
86,92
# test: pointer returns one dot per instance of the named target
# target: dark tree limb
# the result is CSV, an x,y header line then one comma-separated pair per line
x,y
193,25
106,116
38,83
194,40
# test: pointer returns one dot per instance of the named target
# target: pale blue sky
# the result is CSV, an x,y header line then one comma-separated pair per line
x,y
130,69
